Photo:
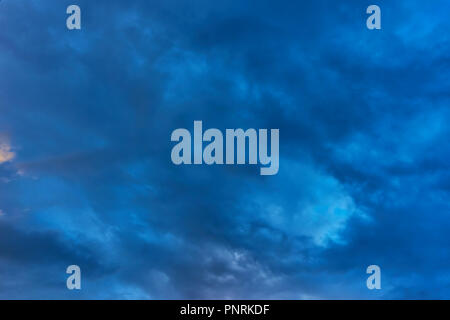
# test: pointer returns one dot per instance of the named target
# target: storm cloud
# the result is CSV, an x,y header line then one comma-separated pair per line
x,y
85,170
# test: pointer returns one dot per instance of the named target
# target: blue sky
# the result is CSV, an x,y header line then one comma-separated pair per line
x,y
85,170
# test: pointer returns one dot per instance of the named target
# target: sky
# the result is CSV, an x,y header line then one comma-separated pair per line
x,y
86,176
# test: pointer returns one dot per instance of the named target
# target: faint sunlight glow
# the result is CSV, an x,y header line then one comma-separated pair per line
x,y
5,153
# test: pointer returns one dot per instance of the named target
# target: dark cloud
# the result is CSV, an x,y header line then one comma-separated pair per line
x,y
363,141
